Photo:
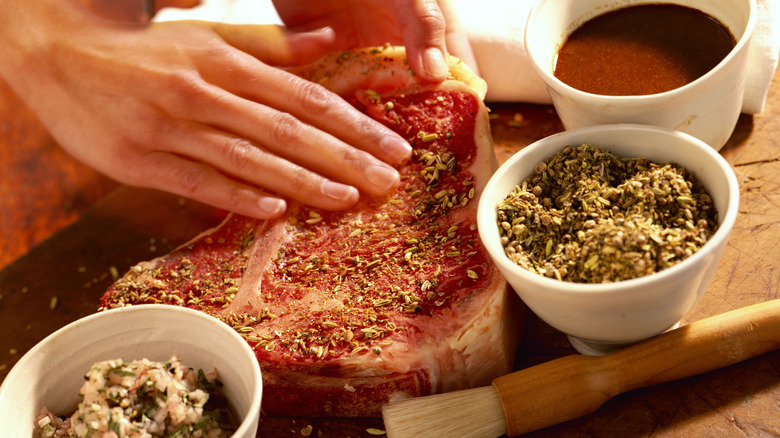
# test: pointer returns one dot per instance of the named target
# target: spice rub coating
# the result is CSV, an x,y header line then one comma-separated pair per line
x,y
346,310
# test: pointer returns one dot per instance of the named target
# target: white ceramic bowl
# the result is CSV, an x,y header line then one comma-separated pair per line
x,y
51,373
706,108
599,318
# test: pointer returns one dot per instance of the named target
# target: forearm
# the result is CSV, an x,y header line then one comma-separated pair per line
x,y
30,33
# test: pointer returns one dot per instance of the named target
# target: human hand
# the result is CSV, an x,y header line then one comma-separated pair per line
x,y
429,29
198,109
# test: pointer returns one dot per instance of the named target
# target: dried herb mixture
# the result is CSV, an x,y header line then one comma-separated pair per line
x,y
587,215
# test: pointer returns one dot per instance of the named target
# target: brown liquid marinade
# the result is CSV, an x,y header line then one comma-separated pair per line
x,y
644,49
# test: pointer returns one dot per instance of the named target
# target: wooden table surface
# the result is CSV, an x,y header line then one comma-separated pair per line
x,y
65,229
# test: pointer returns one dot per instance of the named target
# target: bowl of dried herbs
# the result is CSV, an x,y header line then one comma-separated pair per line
x,y
610,233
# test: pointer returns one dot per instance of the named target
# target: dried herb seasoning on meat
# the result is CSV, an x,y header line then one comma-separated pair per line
x,y
347,310
587,215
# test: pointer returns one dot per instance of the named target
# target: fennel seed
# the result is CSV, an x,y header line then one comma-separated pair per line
x,y
587,215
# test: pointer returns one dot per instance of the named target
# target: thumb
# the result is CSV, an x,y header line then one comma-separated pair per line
x,y
424,33
276,45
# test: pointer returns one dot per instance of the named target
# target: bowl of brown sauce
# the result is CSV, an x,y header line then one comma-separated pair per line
x,y
677,64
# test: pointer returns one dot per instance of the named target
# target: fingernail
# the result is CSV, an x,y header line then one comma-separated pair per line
x,y
395,148
327,31
434,63
384,178
324,29
272,206
338,191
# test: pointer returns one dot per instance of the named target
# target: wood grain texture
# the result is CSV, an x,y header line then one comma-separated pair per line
x,y
66,230
575,385
42,188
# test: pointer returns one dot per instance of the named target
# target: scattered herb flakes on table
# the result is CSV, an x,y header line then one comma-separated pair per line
x,y
587,215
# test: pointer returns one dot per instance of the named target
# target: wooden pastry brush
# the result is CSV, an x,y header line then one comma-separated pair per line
x,y
573,386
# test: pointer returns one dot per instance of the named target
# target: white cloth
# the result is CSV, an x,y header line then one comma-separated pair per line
x,y
495,29
763,56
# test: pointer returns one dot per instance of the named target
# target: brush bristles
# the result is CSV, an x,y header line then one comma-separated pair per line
x,y
472,413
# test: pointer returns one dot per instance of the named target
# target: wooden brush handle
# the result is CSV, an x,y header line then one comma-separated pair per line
x,y
573,386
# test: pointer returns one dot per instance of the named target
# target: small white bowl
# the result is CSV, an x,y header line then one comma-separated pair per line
x,y
51,373
706,108
600,318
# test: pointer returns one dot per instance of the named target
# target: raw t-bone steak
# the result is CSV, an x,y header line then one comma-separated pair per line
x,y
394,298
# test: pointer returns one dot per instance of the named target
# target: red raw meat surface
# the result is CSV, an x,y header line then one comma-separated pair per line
x,y
394,298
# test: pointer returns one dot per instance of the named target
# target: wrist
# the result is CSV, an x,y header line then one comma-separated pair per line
x,y
31,30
